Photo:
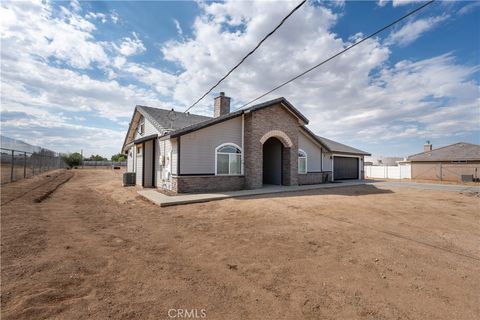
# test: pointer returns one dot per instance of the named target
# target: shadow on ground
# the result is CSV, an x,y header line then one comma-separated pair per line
x,y
360,190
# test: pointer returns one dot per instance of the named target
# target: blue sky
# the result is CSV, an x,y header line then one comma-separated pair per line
x,y
72,71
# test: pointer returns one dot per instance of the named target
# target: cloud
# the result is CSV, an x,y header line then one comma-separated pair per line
x,y
49,65
178,27
414,30
31,27
131,46
468,8
44,65
373,100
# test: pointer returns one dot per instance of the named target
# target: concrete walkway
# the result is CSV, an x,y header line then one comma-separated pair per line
x,y
164,201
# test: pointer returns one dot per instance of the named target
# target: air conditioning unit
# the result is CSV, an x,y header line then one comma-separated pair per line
x,y
129,179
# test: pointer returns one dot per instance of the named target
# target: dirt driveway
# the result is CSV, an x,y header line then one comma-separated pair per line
x,y
90,249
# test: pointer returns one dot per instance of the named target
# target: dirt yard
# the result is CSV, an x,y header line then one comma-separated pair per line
x,y
76,245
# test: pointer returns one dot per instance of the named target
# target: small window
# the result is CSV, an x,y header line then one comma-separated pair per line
x,y
302,162
139,151
229,160
141,126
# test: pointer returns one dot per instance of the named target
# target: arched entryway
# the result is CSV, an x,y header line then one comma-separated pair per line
x,y
272,161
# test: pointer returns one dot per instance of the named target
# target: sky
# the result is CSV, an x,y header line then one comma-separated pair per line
x,y
73,71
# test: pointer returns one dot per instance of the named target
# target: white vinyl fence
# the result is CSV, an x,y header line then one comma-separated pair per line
x,y
389,172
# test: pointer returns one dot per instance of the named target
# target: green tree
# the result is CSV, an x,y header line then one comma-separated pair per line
x,y
72,159
120,157
97,158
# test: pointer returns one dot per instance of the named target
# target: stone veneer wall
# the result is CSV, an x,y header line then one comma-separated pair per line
x,y
201,184
313,177
257,124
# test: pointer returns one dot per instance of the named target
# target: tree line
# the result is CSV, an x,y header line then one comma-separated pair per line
x,y
75,159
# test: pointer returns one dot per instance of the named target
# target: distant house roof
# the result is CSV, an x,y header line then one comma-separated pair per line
x,y
341,148
460,151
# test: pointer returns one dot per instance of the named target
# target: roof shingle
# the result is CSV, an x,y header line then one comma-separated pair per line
x,y
460,151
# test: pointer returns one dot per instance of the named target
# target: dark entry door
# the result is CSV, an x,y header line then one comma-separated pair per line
x,y
272,161
345,168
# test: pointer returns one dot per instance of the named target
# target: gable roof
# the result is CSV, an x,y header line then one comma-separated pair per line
x,y
161,118
212,121
341,148
460,151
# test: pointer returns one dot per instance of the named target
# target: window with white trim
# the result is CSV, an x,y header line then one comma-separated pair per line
x,y
302,161
228,159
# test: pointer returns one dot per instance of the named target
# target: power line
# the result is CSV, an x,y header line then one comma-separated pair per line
x,y
339,53
248,54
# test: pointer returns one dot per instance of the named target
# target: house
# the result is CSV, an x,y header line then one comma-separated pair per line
x,y
267,143
456,162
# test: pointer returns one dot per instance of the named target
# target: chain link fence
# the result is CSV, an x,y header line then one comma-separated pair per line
x,y
17,165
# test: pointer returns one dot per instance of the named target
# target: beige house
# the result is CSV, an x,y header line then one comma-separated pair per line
x,y
456,162
267,143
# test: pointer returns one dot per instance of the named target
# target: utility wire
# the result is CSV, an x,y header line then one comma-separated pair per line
x,y
339,53
248,54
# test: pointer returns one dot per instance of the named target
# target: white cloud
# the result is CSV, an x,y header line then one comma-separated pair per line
x,y
414,30
178,27
35,81
370,98
30,26
131,46
468,8
97,15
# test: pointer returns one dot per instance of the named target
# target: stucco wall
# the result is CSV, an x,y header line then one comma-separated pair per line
x,y
197,149
327,162
313,153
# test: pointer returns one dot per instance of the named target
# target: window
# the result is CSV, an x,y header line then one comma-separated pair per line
x,y
139,151
302,161
141,126
228,160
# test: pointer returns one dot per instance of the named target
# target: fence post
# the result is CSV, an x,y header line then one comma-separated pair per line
x,y
24,165
12,165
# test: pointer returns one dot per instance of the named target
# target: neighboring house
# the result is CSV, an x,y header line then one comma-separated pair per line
x,y
267,143
448,163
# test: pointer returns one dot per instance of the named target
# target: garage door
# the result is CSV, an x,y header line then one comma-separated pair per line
x,y
345,168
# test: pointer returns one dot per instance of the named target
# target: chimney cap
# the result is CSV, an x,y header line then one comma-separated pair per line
x,y
222,94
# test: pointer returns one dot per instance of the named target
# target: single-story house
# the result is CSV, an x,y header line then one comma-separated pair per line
x,y
456,162
267,143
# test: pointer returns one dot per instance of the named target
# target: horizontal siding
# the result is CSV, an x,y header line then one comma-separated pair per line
x,y
149,130
197,149
313,153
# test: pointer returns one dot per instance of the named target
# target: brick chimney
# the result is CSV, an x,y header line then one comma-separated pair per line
x,y
221,105
427,146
